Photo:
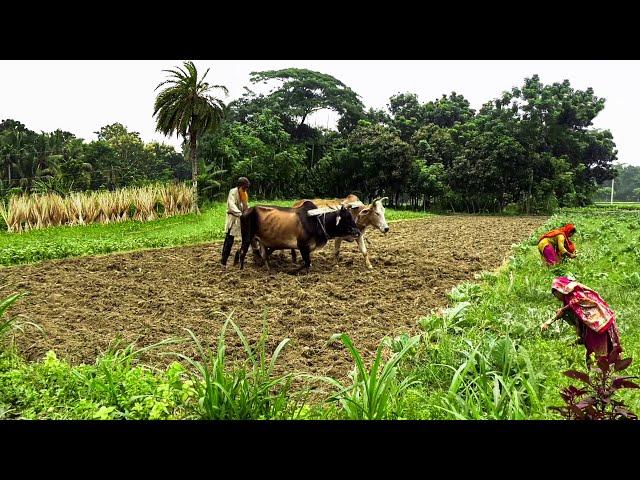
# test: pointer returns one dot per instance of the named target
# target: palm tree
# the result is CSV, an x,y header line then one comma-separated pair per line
x,y
186,108
13,148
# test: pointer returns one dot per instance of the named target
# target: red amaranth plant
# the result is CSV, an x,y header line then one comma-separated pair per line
x,y
594,401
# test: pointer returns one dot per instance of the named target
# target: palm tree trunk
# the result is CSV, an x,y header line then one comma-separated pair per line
x,y
194,168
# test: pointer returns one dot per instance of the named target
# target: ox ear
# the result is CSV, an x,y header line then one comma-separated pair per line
x,y
337,219
365,211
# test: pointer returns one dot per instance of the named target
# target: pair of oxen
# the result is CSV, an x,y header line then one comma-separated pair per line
x,y
309,225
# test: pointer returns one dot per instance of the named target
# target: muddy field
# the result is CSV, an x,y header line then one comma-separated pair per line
x,y
83,304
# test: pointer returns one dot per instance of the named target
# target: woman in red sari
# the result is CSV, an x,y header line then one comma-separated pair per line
x,y
594,320
556,243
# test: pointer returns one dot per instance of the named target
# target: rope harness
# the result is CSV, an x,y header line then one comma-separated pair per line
x,y
321,222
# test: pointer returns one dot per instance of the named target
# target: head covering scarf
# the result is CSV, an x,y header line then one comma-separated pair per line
x,y
242,193
587,305
567,231
244,197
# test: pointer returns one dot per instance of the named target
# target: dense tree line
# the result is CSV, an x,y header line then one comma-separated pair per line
x,y
60,162
534,147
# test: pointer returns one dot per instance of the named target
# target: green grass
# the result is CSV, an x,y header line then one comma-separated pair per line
x,y
62,242
113,388
394,215
483,358
118,387
245,392
618,205
511,304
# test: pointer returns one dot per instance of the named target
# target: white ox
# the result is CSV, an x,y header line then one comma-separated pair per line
x,y
365,216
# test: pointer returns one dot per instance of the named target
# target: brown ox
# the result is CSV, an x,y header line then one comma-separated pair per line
x,y
304,228
364,215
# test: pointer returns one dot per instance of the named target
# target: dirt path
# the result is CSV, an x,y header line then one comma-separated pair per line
x,y
84,303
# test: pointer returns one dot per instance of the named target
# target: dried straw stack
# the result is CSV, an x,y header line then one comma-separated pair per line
x,y
27,212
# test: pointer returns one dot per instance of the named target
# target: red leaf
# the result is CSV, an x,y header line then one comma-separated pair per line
x,y
622,382
577,412
603,363
622,364
585,403
625,413
592,413
583,377
614,356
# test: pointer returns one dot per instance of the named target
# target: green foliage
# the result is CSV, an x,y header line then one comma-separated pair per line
x,y
186,108
509,305
379,160
303,92
532,149
59,162
10,325
112,388
116,387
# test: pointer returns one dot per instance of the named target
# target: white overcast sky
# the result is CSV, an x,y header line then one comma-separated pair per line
x,y
81,96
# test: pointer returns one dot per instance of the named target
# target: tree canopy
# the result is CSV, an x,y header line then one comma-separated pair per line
x,y
533,147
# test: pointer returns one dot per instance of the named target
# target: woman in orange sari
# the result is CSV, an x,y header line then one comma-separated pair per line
x,y
556,243
594,320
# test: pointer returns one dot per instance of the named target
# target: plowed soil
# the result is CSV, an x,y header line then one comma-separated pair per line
x,y
83,304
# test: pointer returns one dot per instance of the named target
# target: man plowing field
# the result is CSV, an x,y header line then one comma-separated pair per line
x,y
237,203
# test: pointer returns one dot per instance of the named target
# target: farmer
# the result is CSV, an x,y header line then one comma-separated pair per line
x,y
556,243
594,320
237,203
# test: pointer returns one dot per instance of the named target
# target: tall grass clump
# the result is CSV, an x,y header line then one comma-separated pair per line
x,y
499,383
374,393
7,324
246,391
30,212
